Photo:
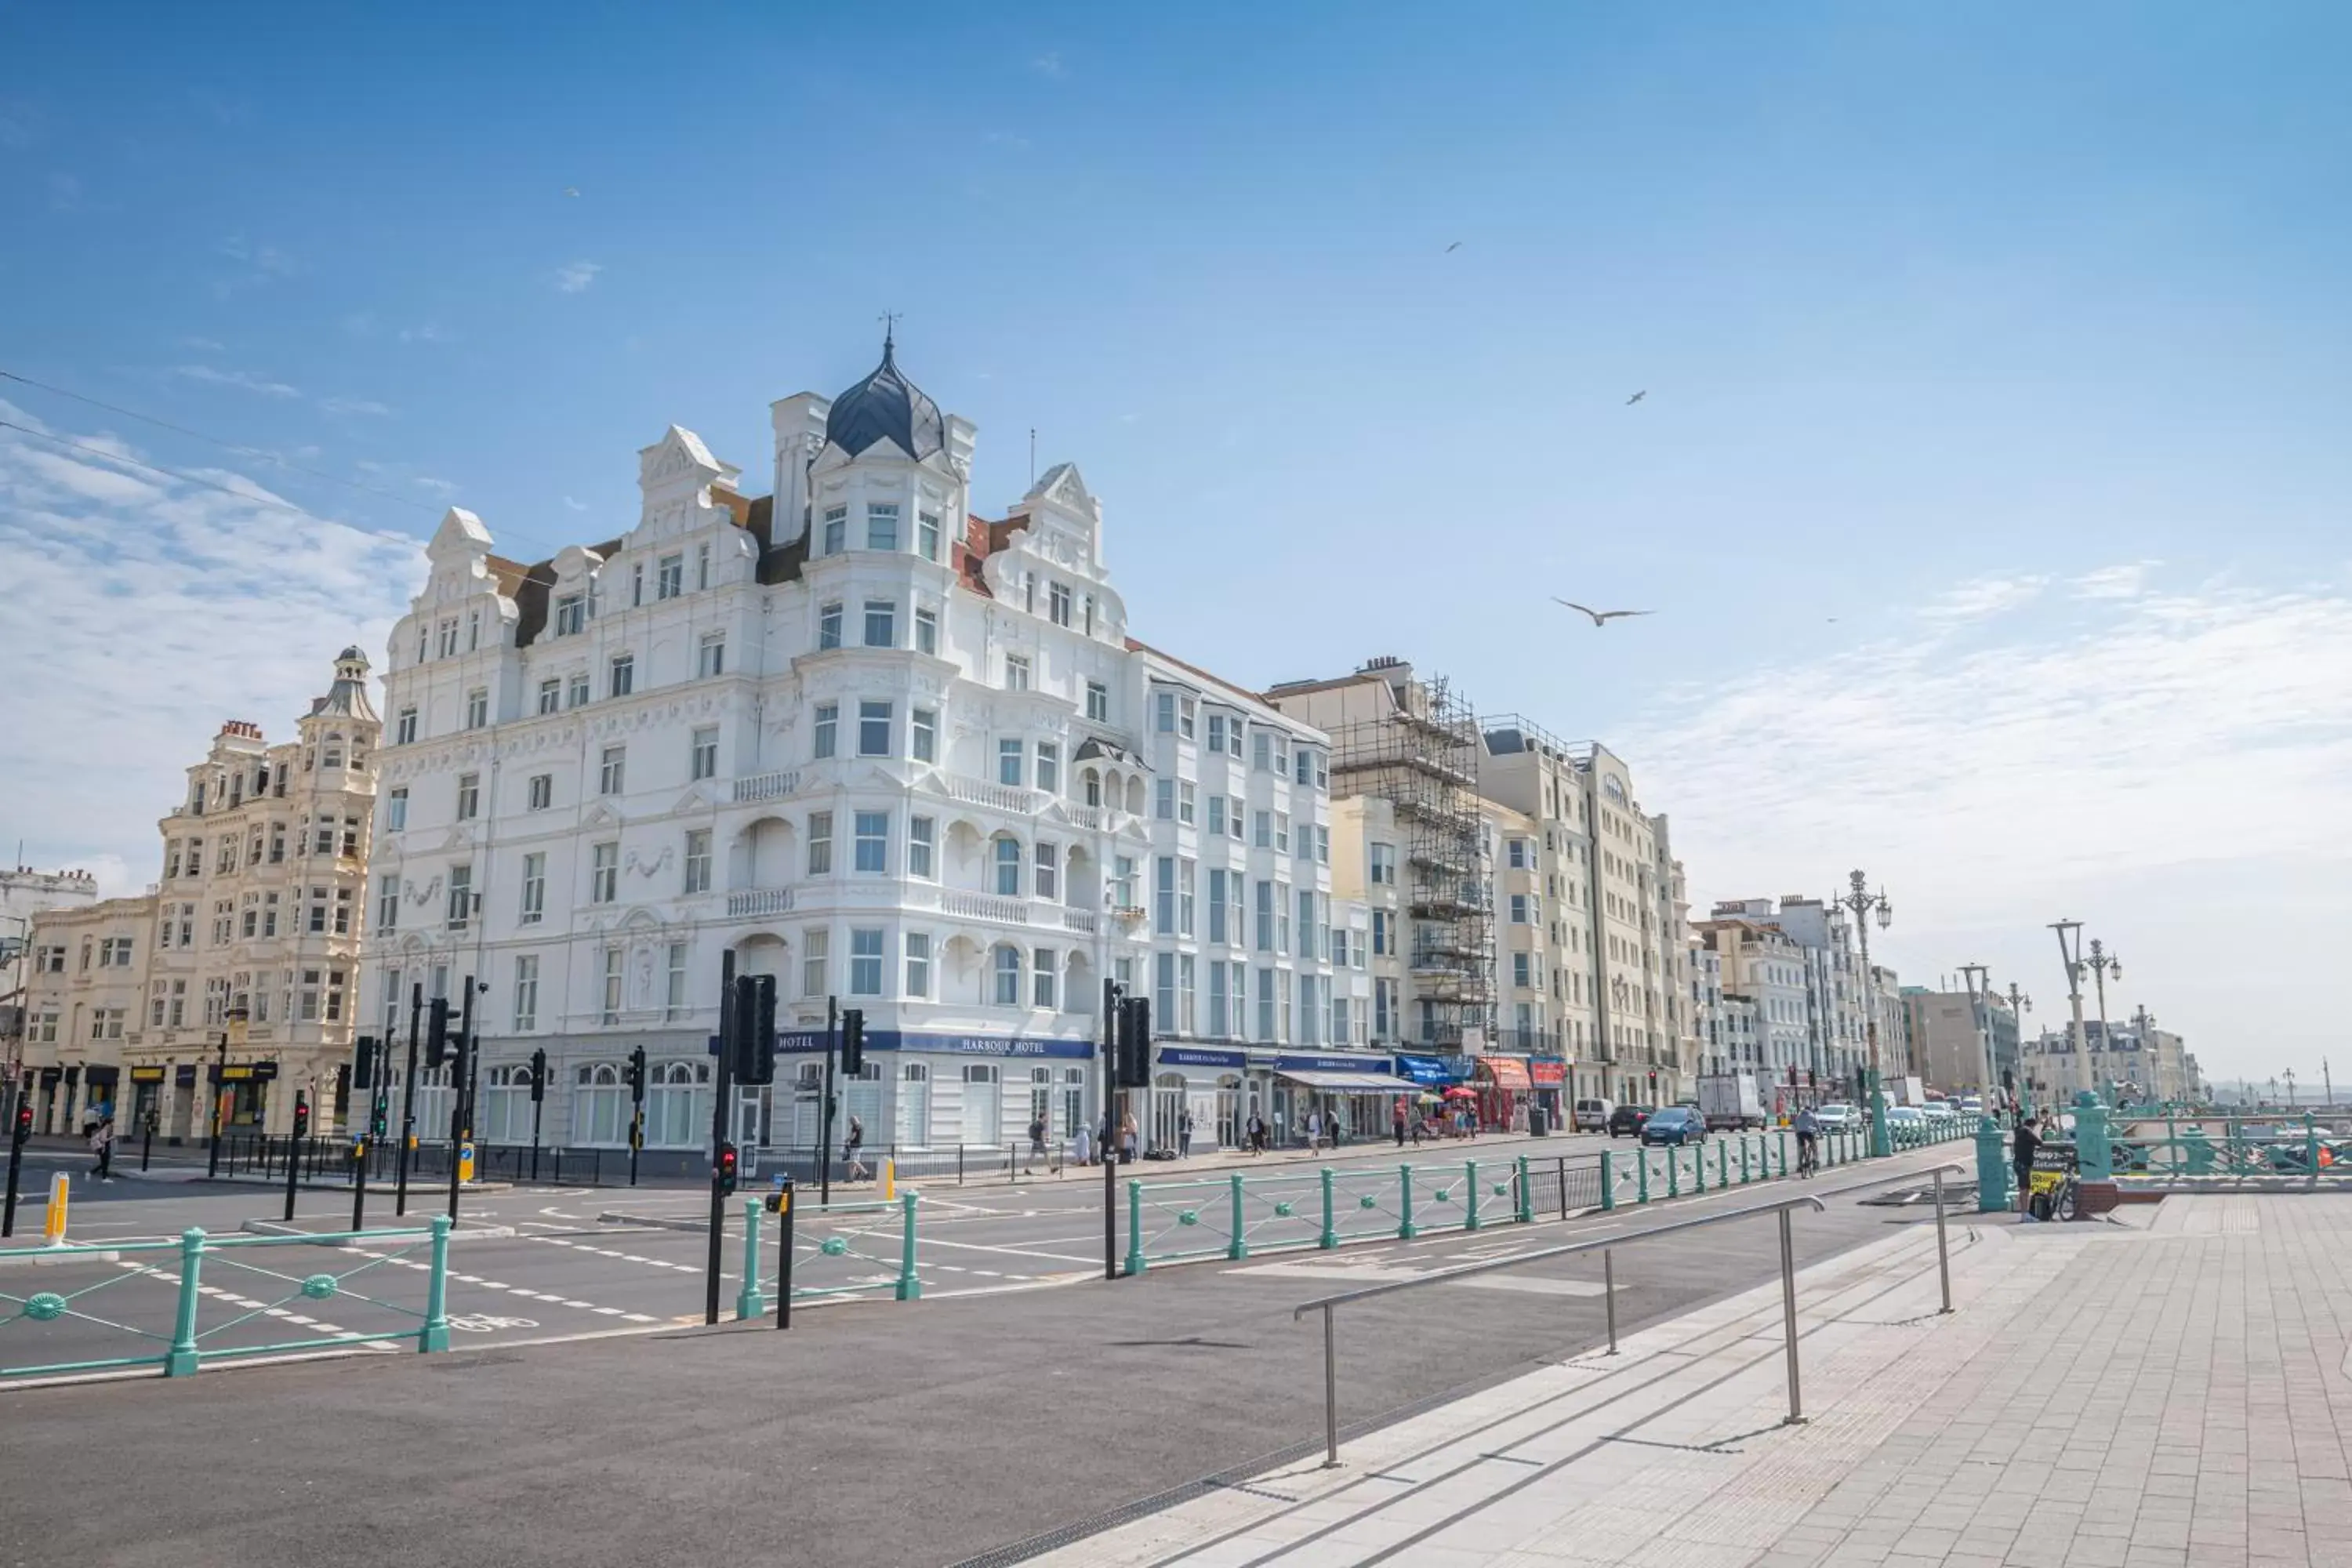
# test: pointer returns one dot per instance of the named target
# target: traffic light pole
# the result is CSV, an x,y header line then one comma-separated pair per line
x,y
457,1128
294,1150
1109,1122
15,1163
824,1132
538,1104
719,1131
408,1100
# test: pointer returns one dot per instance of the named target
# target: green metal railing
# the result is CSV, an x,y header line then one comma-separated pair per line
x,y
2220,1151
1241,1215
838,1250
110,1305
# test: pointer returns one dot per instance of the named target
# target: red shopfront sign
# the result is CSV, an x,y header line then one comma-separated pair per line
x,y
1548,1074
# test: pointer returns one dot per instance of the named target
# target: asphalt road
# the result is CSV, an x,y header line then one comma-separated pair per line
x,y
927,1432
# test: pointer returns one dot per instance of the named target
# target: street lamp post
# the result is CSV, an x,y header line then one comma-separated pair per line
x,y
1981,995
1865,905
2071,955
2020,1005
2103,963
2289,1076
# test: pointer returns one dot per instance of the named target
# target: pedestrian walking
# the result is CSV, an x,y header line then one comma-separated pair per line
x,y
1083,1145
1184,1134
102,1143
2022,1142
1127,1139
852,1144
1314,1130
1037,1136
1257,1134
1398,1118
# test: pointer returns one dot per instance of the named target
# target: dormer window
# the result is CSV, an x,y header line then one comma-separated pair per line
x,y
881,525
836,530
571,615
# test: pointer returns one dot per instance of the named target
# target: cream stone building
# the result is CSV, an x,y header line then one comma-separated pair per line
x,y
240,967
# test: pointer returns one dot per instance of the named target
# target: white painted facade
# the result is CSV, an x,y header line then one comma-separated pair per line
x,y
897,755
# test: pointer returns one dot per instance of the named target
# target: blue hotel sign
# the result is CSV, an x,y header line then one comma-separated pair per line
x,y
810,1042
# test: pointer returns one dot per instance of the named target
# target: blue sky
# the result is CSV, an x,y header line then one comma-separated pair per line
x,y
1991,486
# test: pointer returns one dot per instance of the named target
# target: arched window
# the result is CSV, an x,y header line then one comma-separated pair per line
x,y
505,1106
1008,867
1093,787
600,1105
677,1104
1008,976
914,1128
984,1104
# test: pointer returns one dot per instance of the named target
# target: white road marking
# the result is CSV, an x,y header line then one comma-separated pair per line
x,y
1533,1285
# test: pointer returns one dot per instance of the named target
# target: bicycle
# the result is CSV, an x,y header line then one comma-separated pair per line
x,y
1809,1157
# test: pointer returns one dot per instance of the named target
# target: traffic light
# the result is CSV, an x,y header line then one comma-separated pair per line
x,y
301,1114
363,1065
24,1121
538,1076
725,1171
436,1032
637,1076
853,1042
754,1036
379,1120
1132,1044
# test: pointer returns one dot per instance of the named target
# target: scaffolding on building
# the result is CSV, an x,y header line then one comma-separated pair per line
x,y
1421,756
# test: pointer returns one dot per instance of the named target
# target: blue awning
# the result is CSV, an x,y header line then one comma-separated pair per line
x,y
1429,1072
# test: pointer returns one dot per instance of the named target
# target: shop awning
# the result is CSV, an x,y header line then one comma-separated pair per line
x,y
1430,1072
1347,1082
1505,1072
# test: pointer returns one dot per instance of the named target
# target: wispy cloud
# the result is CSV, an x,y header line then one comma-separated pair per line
x,y
1007,138
20,124
67,194
1049,64
204,345
428,333
575,505
160,609
2126,756
256,265
443,488
243,380
267,386
574,277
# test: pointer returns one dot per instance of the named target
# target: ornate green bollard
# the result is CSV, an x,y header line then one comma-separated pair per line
x,y
748,1301
435,1334
1405,1228
1992,1169
1744,1176
2197,1151
1470,1214
2093,1151
1608,1183
910,1285
1527,1194
1674,1170
1722,1167
1783,1139
1330,1237
1236,1247
184,1356
1135,1259
1641,1172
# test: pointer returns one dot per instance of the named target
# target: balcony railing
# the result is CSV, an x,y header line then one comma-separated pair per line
x,y
754,902
985,907
1093,818
767,786
989,793
1082,920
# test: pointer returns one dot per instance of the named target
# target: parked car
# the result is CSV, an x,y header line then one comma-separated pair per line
x,y
1938,1110
1835,1117
1902,1116
1592,1115
1625,1121
1675,1124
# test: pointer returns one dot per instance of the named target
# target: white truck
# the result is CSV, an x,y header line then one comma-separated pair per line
x,y
1730,1101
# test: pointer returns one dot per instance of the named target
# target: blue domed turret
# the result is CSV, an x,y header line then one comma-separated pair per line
x,y
886,405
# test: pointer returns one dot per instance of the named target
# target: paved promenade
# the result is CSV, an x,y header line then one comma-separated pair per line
x,y
2169,1389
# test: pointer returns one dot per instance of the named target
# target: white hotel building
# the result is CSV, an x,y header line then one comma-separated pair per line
x,y
888,751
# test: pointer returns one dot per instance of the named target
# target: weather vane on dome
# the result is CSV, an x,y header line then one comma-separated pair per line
x,y
890,319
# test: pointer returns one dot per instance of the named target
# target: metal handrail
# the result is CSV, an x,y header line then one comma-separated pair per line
x,y
1605,1246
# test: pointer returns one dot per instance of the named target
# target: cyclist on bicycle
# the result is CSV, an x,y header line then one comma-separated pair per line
x,y
1809,1130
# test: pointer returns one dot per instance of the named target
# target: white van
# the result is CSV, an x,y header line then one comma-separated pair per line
x,y
1592,1115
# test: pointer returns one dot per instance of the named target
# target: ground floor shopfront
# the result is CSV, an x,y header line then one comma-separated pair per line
x,y
250,1092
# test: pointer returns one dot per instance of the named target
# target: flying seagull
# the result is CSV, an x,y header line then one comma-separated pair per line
x,y
1600,618
1453,248
1637,397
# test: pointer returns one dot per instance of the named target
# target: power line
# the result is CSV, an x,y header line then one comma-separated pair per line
x,y
229,446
